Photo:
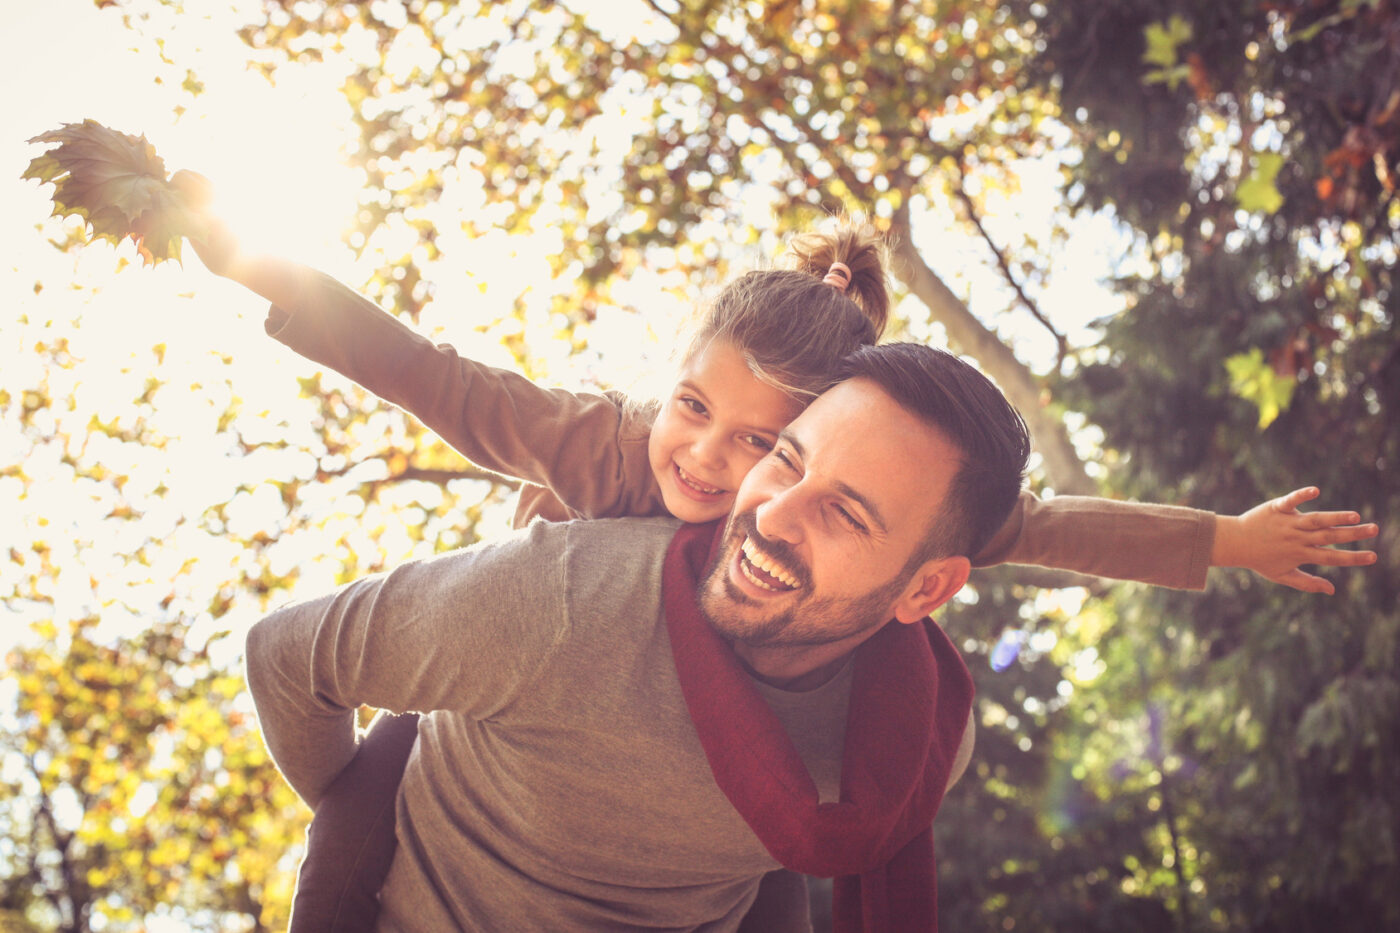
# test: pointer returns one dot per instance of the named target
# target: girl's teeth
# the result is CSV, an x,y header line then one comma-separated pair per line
x,y
690,481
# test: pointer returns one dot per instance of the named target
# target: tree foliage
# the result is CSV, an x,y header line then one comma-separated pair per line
x,y
1260,348
1154,760
132,765
157,510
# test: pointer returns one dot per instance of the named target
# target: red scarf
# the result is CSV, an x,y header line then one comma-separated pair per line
x,y
910,698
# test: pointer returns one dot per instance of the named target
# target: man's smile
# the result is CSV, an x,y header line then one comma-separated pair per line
x,y
763,571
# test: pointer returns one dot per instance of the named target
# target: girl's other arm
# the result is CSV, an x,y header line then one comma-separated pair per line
x,y
1174,546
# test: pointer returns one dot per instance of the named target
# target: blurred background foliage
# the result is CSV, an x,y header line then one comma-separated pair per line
x,y
1152,760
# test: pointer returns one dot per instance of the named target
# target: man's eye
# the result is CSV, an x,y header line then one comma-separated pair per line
x,y
851,520
782,457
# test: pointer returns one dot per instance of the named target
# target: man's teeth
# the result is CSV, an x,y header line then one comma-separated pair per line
x,y
764,563
697,486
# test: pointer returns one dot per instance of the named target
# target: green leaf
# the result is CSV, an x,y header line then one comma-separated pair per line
x,y
1258,192
1168,76
1162,42
1253,379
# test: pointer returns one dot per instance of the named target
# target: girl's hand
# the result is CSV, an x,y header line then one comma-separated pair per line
x,y
1274,538
216,245
277,280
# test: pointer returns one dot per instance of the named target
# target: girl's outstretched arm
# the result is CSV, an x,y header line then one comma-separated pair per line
x,y
1175,546
496,418
1274,539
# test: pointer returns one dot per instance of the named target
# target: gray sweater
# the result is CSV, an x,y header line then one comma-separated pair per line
x,y
557,782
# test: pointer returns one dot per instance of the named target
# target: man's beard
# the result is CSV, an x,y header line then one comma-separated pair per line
x,y
806,619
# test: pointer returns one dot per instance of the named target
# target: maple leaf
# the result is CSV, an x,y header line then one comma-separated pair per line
x,y
116,183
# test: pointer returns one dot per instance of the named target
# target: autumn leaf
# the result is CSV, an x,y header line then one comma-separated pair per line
x,y
116,183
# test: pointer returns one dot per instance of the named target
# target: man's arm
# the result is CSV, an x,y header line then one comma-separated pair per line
x,y
463,632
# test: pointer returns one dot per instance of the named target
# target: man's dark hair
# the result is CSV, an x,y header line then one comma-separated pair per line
x,y
965,405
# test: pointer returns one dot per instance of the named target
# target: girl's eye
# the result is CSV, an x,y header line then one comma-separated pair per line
x,y
851,520
694,404
758,443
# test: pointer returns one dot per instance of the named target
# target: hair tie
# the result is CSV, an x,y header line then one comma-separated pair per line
x,y
838,276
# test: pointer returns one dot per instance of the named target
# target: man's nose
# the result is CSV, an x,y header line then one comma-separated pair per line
x,y
779,517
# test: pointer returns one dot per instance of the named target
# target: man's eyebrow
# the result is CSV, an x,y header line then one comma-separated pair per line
x,y
845,489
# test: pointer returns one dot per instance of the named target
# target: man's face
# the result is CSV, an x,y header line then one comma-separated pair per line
x,y
814,558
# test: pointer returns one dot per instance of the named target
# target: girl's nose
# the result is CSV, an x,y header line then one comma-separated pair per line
x,y
708,451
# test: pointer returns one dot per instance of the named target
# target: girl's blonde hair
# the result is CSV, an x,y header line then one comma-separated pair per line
x,y
792,328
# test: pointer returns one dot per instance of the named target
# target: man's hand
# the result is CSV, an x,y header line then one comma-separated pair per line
x,y
1274,538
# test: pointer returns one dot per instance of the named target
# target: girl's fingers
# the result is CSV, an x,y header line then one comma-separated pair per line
x,y
1345,534
1306,582
1312,521
1291,501
1333,557
197,190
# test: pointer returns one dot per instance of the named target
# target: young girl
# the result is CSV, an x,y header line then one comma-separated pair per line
x,y
762,351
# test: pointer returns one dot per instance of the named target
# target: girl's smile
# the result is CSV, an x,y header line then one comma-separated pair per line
x,y
719,421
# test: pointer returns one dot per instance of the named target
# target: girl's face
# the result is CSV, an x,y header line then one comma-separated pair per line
x,y
719,421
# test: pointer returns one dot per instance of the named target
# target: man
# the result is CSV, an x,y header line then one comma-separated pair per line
x,y
632,724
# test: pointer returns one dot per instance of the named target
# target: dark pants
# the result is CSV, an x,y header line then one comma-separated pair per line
x,y
350,842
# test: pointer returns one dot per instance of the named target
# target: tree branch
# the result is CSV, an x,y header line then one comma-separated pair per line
x,y
71,902
1063,469
427,474
1004,265
443,477
1048,578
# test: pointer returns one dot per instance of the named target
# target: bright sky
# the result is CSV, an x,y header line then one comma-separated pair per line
x,y
73,62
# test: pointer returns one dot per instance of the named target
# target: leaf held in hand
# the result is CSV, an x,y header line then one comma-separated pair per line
x,y
116,183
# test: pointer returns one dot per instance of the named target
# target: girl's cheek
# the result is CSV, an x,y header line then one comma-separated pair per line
x,y
747,462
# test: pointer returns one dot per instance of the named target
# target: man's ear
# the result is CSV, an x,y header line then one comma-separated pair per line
x,y
932,585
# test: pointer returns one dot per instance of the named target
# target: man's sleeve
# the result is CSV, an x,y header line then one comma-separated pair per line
x,y
464,632
584,446
1165,545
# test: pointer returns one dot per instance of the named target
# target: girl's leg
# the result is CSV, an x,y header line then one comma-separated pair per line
x,y
350,842
781,906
